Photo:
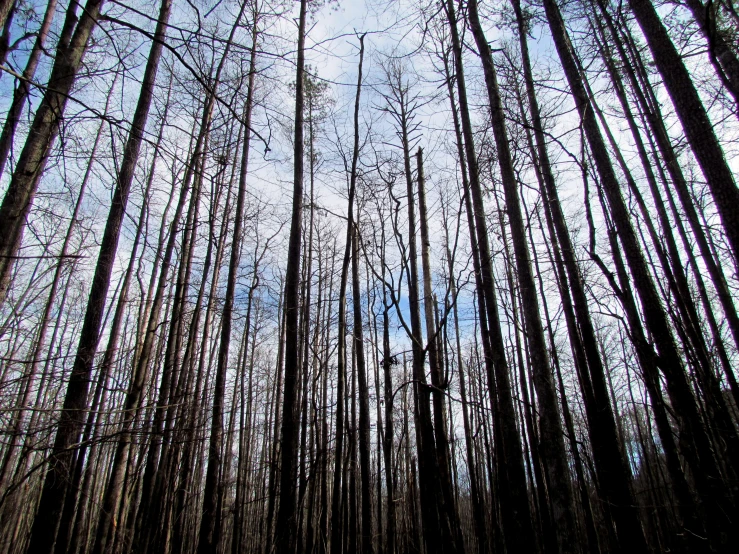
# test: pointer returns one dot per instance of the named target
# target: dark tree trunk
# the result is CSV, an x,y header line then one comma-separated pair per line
x,y
517,523
475,492
28,171
448,510
695,122
550,436
613,473
75,401
723,58
336,526
363,391
209,537
20,94
286,524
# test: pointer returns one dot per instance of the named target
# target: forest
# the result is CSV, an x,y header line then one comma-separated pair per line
x,y
375,277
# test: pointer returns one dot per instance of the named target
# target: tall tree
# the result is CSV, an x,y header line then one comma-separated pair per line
x,y
724,60
550,436
18,199
20,94
75,400
341,415
209,537
694,118
285,535
517,522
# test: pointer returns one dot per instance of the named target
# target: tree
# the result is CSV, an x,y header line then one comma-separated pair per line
x,y
285,535
695,122
46,123
75,401
550,436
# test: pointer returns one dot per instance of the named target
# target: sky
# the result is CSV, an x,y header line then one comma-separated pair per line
x,y
392,27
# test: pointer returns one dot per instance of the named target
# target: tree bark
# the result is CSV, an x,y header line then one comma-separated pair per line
x,y
209,538
43,132
550,436
724,60
285,535
448,510
614,476
694,118
71,422
20,94
517,523
363,391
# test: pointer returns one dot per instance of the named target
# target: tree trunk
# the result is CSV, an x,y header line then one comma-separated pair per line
x,y
694,118
363,390
448,510
724,60
286,522
20,94
209,538
72,421
614,476
517,523
550,436
22,188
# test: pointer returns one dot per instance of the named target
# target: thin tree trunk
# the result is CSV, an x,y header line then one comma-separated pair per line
x,y
550,427
71,422
45,127
694,118
724,60
517,523
336,541
388,445
286,524
448,510
209,538
363,390
40,342
614,476
20,94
